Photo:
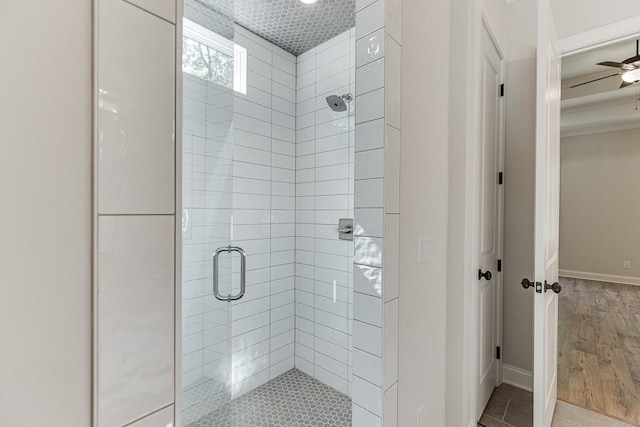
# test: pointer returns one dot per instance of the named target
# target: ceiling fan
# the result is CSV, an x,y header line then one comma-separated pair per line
x,y
629,69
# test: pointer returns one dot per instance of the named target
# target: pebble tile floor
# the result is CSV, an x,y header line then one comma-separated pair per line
x,y
294,399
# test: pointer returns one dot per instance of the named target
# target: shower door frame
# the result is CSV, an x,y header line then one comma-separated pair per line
x,y
177,391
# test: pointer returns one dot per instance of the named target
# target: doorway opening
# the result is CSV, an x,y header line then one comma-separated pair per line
x,y
599,307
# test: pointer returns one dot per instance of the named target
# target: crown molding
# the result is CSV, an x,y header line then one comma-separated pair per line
x,y
601,36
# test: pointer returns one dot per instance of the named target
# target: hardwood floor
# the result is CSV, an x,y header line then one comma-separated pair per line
x,y
568,415
599,347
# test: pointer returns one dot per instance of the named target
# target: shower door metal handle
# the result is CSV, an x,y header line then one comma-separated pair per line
x,y
243,273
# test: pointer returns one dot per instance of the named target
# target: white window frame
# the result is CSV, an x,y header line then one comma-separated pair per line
x,y
218,43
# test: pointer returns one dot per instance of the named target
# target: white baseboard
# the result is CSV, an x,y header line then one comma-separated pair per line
x,y
600,277
517,377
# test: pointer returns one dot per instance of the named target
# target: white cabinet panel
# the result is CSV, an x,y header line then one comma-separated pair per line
x,y
162,418
136,84
165,9
135,316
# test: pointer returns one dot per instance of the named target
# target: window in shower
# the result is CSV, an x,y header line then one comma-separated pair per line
x,y
213,58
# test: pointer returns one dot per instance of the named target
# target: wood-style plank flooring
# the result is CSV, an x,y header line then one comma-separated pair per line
x,y
599,347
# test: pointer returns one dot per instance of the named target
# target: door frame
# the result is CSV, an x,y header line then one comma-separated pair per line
x,y
177,383
462,251
485,25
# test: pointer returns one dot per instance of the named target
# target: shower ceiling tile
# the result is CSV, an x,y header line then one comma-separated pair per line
x,y
290,24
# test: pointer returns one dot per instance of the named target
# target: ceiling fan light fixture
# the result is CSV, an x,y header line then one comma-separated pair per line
x,y
631,76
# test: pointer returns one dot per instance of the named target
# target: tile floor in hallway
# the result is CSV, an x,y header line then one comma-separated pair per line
x,y
510,406
294,399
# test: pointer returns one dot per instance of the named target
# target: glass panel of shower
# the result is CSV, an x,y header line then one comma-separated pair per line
x,y
209,81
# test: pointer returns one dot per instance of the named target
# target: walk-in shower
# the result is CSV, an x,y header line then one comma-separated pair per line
x,y
268,202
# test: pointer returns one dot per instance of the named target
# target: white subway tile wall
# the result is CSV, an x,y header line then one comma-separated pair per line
x,y
238,189
392,148
376,252
325,193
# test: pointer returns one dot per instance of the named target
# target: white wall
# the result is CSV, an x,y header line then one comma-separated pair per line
x,y
45,175
577,16
424,207
519,186
324,194
599,202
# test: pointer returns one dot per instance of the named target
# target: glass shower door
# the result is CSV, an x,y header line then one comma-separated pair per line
x,y
208,94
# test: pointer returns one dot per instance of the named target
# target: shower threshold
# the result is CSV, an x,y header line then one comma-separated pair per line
x,y
293,399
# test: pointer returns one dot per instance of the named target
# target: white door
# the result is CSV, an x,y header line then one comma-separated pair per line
x,y
490,211
547,178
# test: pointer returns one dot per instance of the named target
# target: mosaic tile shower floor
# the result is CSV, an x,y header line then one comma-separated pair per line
x,y
294,399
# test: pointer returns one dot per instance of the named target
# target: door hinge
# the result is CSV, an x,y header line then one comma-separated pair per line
x,y
498,353
502,89
499,265
500,178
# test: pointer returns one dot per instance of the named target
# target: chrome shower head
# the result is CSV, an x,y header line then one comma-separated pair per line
x,y
339,103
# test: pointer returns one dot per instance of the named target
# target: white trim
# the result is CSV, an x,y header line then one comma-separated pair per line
x,y
517,377
600,277
599,128
484,25
94,214
177,242
601,36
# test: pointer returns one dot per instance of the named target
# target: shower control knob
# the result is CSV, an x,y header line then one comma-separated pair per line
x,y
486,275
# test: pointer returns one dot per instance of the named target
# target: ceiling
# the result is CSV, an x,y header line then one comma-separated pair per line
x,y
585,63
289,24
600,105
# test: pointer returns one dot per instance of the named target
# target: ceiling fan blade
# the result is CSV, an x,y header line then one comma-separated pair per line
x,y
625,84
631,60
594,80
611,64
